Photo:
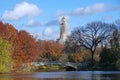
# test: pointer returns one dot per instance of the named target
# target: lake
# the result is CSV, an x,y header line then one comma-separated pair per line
x,y
70,75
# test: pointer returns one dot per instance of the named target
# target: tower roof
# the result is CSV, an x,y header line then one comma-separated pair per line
x,y
63,17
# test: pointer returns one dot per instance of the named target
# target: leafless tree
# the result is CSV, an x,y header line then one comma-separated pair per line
x,y
91,35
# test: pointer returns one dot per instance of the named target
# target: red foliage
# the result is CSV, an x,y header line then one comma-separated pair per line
x,y
3,30
28,46
12,33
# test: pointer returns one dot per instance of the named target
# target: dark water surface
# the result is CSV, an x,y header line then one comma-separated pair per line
x,y
73,75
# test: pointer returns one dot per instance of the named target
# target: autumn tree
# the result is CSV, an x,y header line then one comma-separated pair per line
x,y
3,30
49,50
73,51
23,44
91,35
12,33
9,33
5,56
28,46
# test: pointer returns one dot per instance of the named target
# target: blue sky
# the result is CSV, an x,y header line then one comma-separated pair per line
x,y
41,17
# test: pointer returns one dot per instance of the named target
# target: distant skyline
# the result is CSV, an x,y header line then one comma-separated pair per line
x,y
41,17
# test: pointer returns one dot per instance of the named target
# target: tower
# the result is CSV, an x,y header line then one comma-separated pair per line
x,y
63,31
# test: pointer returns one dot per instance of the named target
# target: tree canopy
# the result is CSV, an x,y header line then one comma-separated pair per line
x,y
91,35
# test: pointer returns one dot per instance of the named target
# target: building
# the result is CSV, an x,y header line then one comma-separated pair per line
x,y
63,31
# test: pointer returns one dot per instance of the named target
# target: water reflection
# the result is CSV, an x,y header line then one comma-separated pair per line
x,y
81,75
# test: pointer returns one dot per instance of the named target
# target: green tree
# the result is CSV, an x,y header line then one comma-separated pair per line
x,y
5,56
118,64
115,45
108,59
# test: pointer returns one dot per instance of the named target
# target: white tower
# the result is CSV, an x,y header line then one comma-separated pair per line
x,y
63,31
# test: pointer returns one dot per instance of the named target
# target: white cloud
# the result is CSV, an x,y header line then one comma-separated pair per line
x,y
30,22
83,11
48,31
52,23
50,34
21,10
96,8
34,23
47,34
106,18
36,34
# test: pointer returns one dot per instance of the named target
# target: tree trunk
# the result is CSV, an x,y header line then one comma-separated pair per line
x,y
92,59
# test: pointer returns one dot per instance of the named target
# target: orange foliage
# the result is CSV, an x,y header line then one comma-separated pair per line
x,y
50,48
28,46
78,57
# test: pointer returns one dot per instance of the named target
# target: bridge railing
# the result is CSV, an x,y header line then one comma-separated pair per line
x,y
56,63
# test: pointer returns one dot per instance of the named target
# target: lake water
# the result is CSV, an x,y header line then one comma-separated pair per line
x,y
73,75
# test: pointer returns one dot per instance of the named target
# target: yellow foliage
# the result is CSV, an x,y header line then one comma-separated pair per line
x,y
5,56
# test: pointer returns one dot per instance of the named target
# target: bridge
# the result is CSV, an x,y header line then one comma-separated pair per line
x,y
67,65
